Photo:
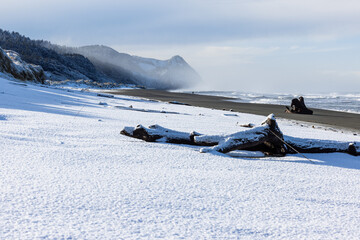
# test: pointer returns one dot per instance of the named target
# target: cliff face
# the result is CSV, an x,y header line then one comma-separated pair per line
x,y
11,63
173,73
5,62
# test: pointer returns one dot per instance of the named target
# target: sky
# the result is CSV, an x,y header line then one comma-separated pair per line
x,y
287,46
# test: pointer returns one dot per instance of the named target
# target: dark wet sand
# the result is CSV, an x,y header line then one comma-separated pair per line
x,y
345,120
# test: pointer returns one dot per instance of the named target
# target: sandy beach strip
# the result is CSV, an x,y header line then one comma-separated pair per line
x,y
342,120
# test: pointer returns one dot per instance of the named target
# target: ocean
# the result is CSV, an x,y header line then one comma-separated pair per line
x,y
339,102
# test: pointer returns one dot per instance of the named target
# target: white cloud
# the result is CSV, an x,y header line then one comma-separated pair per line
x,y
237,51
170,21
342,74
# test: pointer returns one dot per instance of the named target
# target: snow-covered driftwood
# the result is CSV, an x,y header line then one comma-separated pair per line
x,y
305,145
267,138
156,133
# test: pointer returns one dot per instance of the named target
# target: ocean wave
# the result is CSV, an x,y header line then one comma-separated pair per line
x,y
348,102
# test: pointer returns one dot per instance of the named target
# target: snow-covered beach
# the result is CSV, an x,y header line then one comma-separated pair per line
x,y
67,173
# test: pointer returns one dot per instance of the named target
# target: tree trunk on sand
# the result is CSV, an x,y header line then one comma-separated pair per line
x,y
156,133
266,138
304,145
260,138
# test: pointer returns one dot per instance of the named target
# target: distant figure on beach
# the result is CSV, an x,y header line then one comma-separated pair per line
x,y
298,106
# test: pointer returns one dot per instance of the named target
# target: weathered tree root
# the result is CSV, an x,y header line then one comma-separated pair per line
x,y
266,138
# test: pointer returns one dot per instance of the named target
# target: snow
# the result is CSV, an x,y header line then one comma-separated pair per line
x,y
271,117
67,173
20,65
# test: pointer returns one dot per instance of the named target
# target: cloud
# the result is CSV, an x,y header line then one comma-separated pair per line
x,y
342,74
182,22
236,51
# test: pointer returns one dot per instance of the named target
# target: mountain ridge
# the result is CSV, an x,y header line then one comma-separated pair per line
x,y
100,63
171,73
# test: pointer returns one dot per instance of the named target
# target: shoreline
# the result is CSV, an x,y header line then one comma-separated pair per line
x,y
342,120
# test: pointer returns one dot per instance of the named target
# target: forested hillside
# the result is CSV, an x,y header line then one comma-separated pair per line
x,y
56,65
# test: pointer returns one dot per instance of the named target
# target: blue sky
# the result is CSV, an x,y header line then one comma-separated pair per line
x,y
246,45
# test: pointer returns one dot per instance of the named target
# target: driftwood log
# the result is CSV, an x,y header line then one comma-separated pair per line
x,y
305,145
156,133
266,138
298,106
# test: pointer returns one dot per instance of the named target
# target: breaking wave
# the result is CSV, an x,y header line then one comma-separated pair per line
x,y
334,101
